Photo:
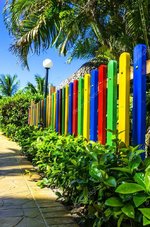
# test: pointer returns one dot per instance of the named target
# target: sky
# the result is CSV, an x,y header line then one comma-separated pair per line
x,y
9,63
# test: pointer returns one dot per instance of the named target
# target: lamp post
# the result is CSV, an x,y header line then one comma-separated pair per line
x,y
47,64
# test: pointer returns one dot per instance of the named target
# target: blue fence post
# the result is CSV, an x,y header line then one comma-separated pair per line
x,y
139,96
60,109
57,111
93,105
70,108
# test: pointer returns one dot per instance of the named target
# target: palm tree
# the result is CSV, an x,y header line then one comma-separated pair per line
x,y
84,28
32,23
138,22
72,26
39,88
8,84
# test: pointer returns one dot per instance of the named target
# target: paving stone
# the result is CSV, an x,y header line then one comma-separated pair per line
x,y
57,214
65,225
11,213
22,202
59,221
9,222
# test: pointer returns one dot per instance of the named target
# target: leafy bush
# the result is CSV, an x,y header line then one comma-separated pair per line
x,y
14,112
110,182
10,130
26,137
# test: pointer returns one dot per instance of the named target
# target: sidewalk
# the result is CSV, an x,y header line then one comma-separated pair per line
x,y
22,202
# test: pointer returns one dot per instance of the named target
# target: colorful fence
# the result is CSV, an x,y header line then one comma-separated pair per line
x,y
89,106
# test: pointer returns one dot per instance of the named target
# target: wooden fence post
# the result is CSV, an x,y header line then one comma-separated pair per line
x,y
80,105
111,100
57,111
54,119
124,97
75,107
93,105
70,108
60,110
102,70
66,108
86,110
63,111
139,96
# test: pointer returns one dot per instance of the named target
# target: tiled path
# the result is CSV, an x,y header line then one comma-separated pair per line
x,y
22,202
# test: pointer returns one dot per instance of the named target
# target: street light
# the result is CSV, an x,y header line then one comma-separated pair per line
x,y
47,64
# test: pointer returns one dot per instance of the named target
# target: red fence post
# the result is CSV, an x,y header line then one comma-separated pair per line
x,y
102,104
75,108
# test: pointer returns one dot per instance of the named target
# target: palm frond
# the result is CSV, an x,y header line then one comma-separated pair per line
x,y
8,84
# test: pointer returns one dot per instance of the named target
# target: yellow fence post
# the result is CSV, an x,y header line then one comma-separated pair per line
x,y
47,106
54,111
66,108
37,114
50,105
31,114
52,90
124,97
86,107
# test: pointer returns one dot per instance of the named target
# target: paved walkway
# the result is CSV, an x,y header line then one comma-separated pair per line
x,y
22,202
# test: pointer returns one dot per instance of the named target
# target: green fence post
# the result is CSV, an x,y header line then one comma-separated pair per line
x,y
111,100
63,111
80,105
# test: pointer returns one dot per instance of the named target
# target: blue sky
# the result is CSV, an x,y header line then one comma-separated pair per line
x,y
9,63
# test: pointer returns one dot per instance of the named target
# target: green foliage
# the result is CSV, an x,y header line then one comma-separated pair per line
x,y
14,112
8,85
26,136
110,182
39,88
81,28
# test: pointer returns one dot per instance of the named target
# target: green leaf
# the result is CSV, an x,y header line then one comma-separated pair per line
x,y
128,210
125,170
114,202
120,220
139,199
111,181
147,179
58,194
145,212
146,221
95,173
139,178
108,212
73,162
147,161
134,164
138,152
117,212
129,188
85,194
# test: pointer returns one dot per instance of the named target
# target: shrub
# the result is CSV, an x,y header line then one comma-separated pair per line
x,y
14,112
110,182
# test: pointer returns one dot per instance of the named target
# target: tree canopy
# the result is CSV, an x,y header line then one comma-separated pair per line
x,y
38,88
83,28
8,85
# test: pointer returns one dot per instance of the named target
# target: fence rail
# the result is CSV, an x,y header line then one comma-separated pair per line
x,y
90,107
